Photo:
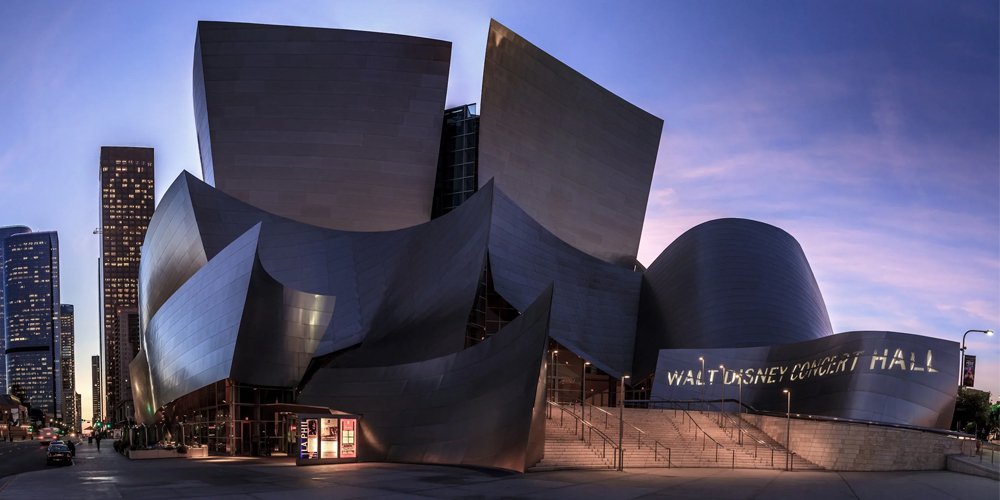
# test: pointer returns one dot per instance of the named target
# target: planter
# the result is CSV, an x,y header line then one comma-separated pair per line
x,y
149,454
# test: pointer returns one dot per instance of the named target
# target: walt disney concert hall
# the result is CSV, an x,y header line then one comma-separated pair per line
x,y
425,281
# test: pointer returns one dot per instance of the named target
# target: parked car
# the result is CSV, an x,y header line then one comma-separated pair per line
x,y
58,453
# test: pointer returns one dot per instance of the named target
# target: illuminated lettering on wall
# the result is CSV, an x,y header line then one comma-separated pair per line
x,y
847,362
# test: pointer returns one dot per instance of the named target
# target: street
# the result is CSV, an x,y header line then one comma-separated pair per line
x,y
21,456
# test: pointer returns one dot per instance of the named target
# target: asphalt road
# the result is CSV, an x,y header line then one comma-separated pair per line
x,y
21,456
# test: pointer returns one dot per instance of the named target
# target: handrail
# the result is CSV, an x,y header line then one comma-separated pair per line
x,y
803,416
639,443
606,412
592,428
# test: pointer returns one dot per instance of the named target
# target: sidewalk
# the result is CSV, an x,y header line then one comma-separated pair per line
x,y
110,475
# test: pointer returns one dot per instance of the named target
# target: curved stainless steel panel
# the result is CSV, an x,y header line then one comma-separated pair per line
x,y
728,283
378,277
473,407
573,155
874,376
142,389
594,303
335,128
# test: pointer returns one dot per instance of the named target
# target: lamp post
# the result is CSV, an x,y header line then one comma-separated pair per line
x,y
961,359
621,423
583,386
722,402
553,358
788,429
702,380
739,419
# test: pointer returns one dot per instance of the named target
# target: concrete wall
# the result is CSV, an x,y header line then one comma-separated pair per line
x,y
847,446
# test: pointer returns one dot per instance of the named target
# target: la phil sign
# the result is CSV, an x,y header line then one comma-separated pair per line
x,y
877,376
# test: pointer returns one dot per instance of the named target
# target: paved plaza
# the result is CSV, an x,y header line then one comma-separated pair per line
x,y
109,475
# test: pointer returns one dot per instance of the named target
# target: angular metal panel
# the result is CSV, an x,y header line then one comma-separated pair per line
x,y
873,376
142,389
594,303
190,341
728,283
336,128
473,407
574,156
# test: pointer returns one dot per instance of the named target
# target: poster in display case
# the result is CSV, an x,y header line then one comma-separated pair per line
x,y
327,438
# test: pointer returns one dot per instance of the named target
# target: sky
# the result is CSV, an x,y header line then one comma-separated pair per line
x,y
867,130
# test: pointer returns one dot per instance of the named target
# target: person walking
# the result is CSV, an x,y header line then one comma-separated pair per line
x,y
98,440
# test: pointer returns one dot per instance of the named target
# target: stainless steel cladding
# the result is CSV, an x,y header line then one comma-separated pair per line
x,y
472,407
728,283
336,128
577,158
871,376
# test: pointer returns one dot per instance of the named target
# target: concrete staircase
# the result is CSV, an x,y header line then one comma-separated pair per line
x,y
564,449
694,439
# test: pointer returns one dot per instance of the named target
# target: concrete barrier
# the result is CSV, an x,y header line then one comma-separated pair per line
x,y
847,446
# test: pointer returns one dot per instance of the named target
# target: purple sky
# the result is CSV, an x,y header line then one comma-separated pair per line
x,y
868,130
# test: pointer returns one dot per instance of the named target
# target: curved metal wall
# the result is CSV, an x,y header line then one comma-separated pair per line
x,y
233,320
594,303
336,128
379,278
473,407
873,376
728,283
573,155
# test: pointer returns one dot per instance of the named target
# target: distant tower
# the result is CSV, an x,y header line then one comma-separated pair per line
x,y
78,411
67,351
95,374
126,208
126,330
31,314
4,233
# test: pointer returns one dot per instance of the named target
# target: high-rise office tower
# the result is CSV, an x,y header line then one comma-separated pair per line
x,y
4,233
31,316
126,207
95,377
78,411
126,329
66,353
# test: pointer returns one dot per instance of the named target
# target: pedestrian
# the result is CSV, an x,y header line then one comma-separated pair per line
x,y
98,439
71,446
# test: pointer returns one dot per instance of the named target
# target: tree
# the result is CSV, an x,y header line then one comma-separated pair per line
x,y
972,412
994,422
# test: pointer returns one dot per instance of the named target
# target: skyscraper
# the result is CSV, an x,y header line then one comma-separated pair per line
x,y
4,233
31,315
95,377
126,330
126,207
66,353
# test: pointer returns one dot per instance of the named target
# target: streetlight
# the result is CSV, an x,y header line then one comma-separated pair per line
x,y
788,430
621,423
553,357
961,359
583,386
722,402
702,380
740,409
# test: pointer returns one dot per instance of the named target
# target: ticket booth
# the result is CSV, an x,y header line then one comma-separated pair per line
x,y
327,438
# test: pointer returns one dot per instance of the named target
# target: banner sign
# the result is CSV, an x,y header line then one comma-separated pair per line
x,y
969,371
874,376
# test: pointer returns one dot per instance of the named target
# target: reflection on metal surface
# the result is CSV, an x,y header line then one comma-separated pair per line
x,y
875,376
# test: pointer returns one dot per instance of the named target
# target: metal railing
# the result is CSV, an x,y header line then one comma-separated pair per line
x,y
586,430
639,433
698,431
